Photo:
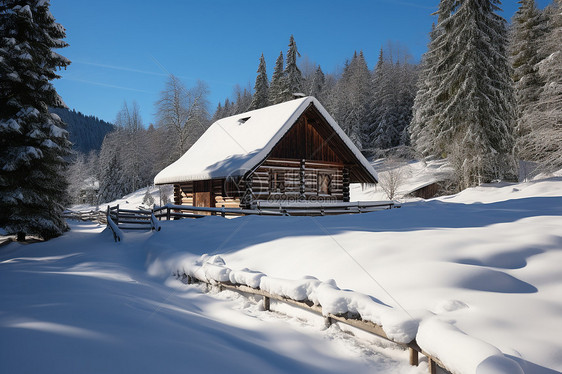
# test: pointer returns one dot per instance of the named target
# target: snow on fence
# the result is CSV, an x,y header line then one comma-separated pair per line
x,y
171,211
443,344
86,215
147,219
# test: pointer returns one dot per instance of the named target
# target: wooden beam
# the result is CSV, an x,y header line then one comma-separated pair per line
x,y
432,366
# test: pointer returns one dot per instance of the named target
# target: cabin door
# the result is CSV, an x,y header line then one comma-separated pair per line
x,y
202,199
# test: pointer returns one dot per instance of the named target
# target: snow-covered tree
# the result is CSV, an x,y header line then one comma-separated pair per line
x,y
261,88
355,96
33,142
527,30
184,112
318,84
394,81
130,123
544,141
278,82
148,199
243,99
422,127
293,75
113,183
473,97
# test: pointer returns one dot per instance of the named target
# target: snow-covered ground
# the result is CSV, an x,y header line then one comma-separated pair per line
x,y
485,262
83,304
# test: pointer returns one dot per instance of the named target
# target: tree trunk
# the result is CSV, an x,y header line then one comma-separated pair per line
x,y
20,237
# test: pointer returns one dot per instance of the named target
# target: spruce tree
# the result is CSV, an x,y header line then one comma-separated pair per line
x,y
473,96
293,75
278,82
526,32
33,142
261,88
544,141
391,102
422,126
318,84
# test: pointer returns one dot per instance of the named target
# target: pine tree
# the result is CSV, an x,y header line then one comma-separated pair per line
x,y
261,88
33,142
473,97
527,31
293,75
278,82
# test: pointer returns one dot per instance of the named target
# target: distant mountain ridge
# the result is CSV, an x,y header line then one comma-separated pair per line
x,y
85,132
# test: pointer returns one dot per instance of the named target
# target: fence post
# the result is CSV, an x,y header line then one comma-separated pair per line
x,y
117,215
266,303
413,357
167,213
432,366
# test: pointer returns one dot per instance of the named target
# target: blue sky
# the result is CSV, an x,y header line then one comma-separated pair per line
x,y
124,50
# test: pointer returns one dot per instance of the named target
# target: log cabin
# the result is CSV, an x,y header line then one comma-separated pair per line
x,y
289,152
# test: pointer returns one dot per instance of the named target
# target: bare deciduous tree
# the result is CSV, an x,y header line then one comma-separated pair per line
x,y
183,111
393,175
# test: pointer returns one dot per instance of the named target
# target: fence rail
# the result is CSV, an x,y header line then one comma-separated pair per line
x,y
171,211
354,321
86,215
148,219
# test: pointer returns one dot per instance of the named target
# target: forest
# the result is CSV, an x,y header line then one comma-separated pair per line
x,y
488,122
486,96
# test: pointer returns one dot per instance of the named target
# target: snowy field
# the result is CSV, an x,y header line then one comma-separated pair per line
x,y
485,264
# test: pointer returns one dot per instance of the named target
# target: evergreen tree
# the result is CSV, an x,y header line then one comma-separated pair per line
x,y
473,97
261,88
318,84
351,97
392,100
293,75
526,32
422,127
85,132
243,99
544,141
218,113
278,82
112,178
33,142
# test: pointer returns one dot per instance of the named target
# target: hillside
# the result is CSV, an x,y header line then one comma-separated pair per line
x,y
85,132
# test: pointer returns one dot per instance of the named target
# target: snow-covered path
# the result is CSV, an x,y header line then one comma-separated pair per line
x,y
83,304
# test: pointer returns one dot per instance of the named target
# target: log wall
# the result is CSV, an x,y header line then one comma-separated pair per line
x,y
274,180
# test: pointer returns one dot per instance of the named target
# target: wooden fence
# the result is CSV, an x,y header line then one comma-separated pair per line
x,y
171,211
350,320
86,215
119,219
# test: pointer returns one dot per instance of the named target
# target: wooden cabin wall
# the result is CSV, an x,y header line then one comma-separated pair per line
x,y
184,194
291,172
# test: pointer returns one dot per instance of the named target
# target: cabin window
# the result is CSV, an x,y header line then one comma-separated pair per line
x,y
324,184
276,182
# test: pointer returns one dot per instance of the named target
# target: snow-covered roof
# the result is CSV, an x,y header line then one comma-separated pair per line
x,y
234,145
